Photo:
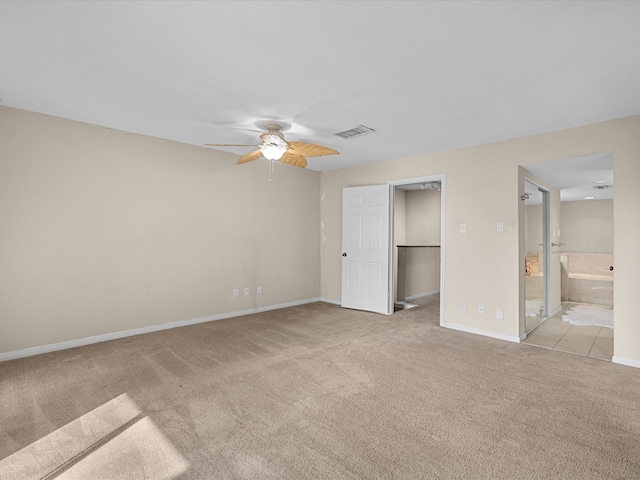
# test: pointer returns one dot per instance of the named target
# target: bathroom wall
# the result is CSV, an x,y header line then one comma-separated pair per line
x,y
586,226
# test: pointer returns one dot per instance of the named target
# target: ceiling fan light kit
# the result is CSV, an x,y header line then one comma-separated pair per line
x,y
275,147
273,152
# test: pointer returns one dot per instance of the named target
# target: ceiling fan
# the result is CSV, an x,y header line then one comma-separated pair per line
x,y
275,147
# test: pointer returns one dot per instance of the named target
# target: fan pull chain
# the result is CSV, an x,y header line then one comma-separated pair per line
x,y
272,166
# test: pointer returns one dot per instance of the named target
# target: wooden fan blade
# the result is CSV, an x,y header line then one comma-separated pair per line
x,y
311,149
295,159
229,145
249,157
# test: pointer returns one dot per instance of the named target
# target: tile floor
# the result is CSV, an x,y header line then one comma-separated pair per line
x,y
553,333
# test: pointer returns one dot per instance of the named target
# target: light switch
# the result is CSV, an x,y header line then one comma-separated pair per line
x,y
463,228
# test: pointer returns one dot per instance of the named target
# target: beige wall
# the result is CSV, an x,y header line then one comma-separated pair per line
x,y
587,226
483,186
422,228
423,272
104,231
423,217
417,222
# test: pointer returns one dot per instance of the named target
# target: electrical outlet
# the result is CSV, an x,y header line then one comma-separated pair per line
x,y
259,290
246,292
500,227
463,228
499,313
462,306
480,309
236,293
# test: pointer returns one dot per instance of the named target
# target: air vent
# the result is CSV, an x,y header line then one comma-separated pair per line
x,y
355,132
601,187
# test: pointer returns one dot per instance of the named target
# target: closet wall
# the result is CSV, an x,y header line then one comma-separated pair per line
x,y
417,222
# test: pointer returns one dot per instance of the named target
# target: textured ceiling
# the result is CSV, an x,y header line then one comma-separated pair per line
x,y
427,76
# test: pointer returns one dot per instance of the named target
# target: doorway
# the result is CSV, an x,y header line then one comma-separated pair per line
x,y
582,248
417,243
364,216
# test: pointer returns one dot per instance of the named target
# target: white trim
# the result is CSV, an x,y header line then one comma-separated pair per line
x,y
443,245
53,347
478,331
546,241
331,300
626,361
422,295
408,181
555,312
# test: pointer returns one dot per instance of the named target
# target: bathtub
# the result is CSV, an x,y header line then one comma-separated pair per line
x,y
586,278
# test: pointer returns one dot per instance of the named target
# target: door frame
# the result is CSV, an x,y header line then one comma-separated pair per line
x,y
392,267
546,250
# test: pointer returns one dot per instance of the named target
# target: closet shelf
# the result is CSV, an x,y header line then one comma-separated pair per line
x,y
417,246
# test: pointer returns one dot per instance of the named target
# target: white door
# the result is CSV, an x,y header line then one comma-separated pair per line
x,y
365,248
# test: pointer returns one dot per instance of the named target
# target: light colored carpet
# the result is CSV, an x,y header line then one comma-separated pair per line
x,y
589,316
318,392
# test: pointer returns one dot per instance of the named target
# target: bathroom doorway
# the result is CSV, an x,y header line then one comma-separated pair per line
x,y
536,235
582,244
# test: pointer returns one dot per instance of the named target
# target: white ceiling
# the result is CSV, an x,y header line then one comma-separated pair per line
x,y
578,178
427,76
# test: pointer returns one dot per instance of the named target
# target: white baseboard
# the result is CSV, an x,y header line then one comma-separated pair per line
x,y
330,300
421,295
555,312
626,361
28,352
478,331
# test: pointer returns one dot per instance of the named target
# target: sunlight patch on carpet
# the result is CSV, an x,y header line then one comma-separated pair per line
x,y
590,316
115,440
